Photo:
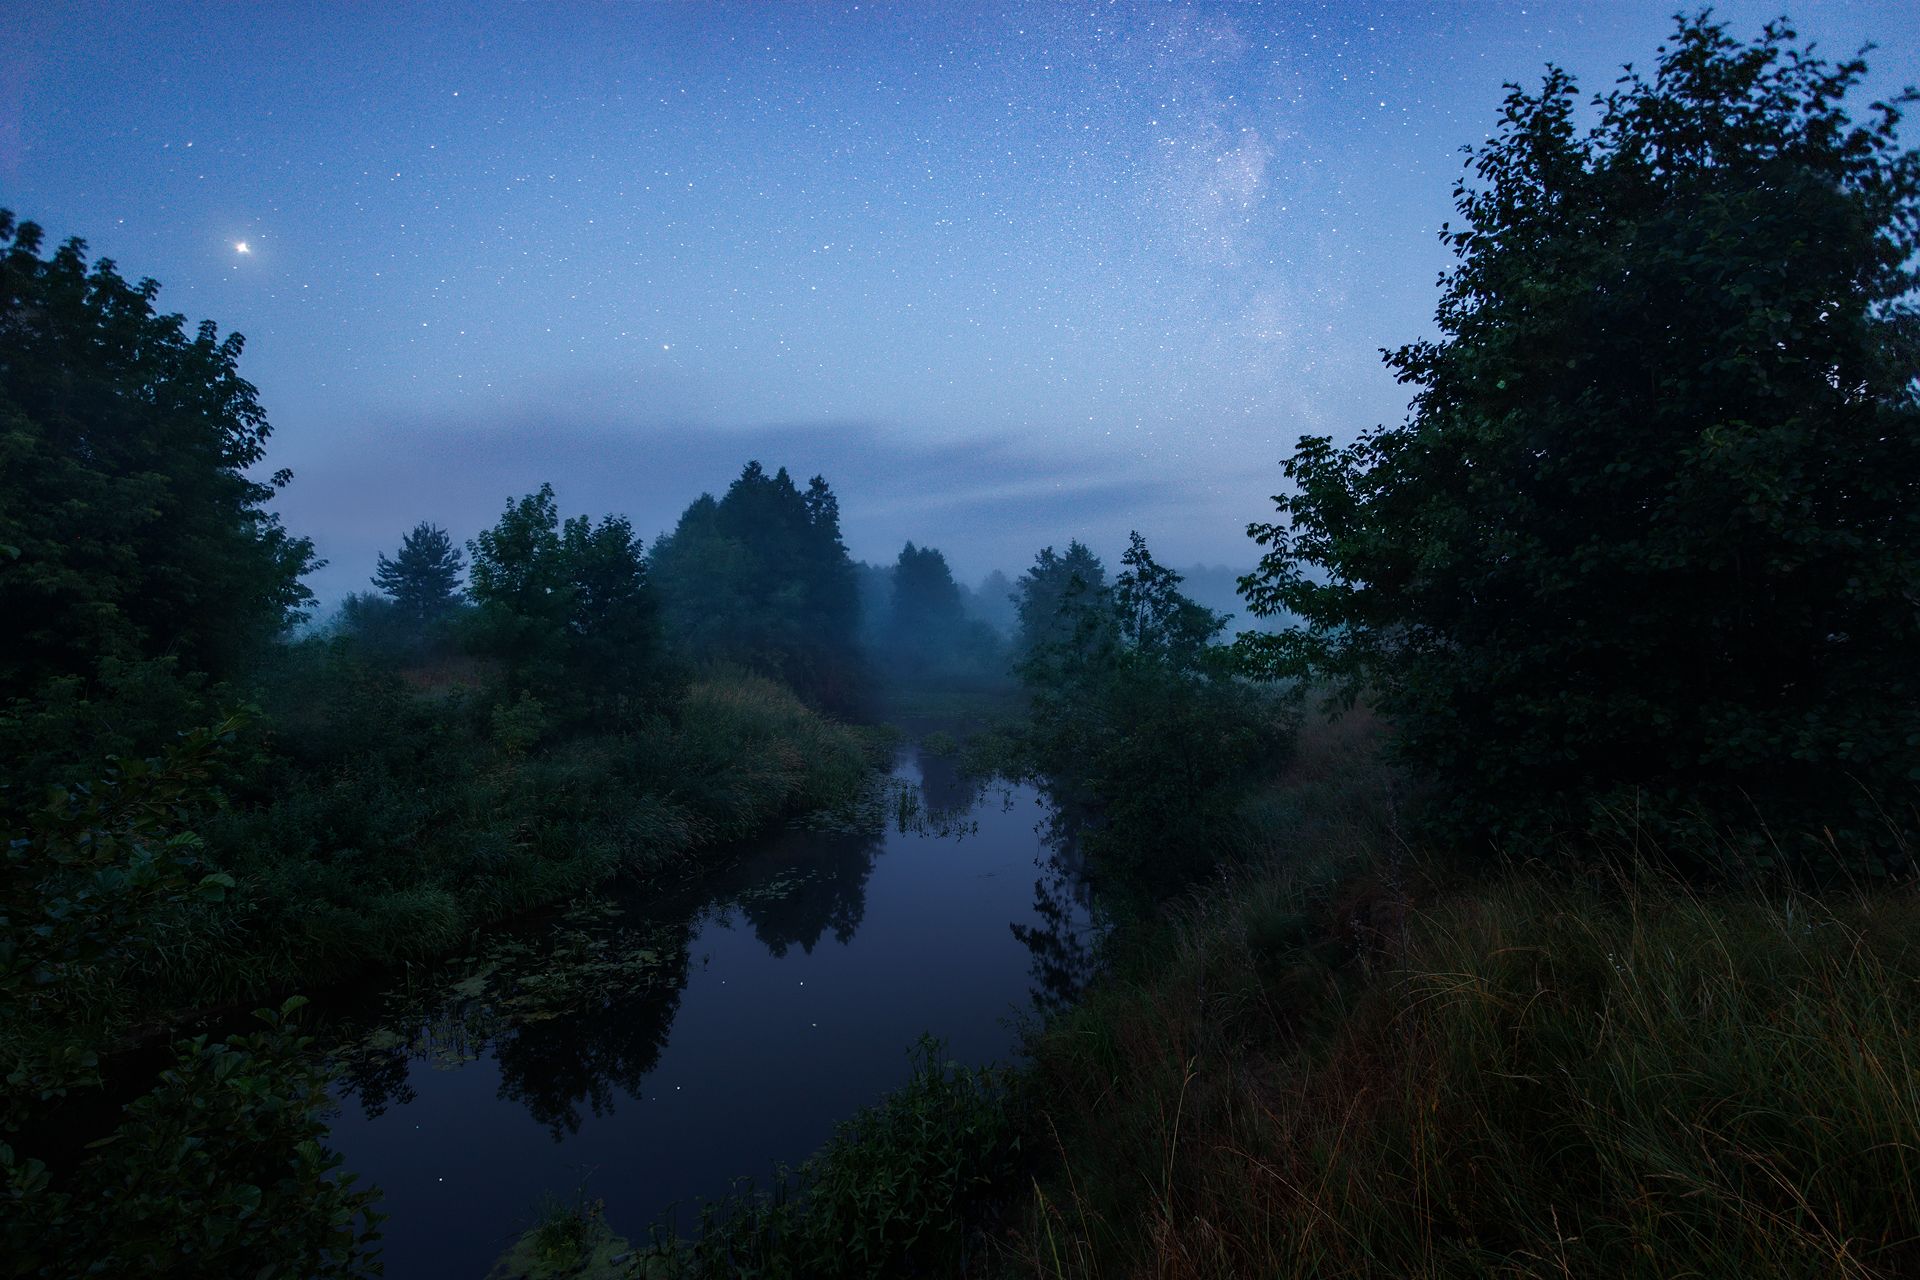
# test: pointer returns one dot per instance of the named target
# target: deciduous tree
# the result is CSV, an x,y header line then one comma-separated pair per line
x,y
1649,539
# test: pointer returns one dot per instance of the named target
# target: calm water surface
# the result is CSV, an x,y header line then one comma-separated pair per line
x,y
650,1051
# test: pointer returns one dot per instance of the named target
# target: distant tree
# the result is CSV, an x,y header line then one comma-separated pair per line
x,y
929,636
423,578
377,625
131,525
612,618
1157,621
1649,539
1056,596
519,583
875,586
926,612
761,577
1136,715
569,607
992,603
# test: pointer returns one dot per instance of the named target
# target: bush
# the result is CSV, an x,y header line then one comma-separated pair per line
x,y
889,1194
217,1170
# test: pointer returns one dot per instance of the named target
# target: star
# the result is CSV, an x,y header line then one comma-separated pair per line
x,y
240,246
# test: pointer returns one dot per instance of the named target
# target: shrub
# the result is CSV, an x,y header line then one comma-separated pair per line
x,y
890,1193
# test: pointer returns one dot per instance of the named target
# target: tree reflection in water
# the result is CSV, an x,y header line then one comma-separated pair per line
x,y
1065,942
824,887
945,790
581,1013
577,1013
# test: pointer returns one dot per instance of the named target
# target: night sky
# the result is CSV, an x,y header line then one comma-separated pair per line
x,y
1005,274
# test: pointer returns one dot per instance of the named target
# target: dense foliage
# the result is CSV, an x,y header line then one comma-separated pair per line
x,y
929,633
199,808
423,577
216,1165
568,608
131,528
890,1194
1351,1063
761,578
1136,714
1647,547
216,1170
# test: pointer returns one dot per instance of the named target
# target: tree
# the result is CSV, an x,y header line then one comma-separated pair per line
x,y
1158,622
992,603
1650,534
568,607
926,614
424,577
612,615
132,528
1051,597
927,633
761,577
1136,714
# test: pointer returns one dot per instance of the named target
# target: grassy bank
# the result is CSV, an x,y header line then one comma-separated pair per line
x,y
1343,1058
435,814
1346,1061
467,816
390,824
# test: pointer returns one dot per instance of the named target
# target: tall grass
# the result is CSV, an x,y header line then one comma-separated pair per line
x,y
1350,1064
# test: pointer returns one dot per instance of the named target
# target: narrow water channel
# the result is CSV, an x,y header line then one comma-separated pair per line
x,y
646,1052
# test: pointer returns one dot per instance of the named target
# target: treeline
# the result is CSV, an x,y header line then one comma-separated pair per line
x,y
758,579
202,809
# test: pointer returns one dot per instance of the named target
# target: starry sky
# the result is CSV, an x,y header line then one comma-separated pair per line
x,y
1006,274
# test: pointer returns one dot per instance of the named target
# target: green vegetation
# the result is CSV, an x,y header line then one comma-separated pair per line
x,y
216,1170
398,822
1138,719
1580,940
1347,1061
130,528
761,579
201,810
929,636
1632,595
1601,960
1644,552
890,1194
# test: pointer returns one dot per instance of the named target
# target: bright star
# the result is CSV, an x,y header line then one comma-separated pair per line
x,y
240,246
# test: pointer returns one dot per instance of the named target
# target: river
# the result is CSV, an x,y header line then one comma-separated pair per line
x,y
646,1051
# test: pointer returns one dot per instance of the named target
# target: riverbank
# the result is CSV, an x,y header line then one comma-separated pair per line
x,y
1343,1057
646,1052
487,816
1348,1059
435,831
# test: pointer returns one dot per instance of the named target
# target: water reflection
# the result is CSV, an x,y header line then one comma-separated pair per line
x,y
660,1047
1066,929
579,1016
551,1068
826,888
944,788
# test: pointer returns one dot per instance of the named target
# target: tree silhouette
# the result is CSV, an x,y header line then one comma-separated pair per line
x,y
423,578
132,527
1650,535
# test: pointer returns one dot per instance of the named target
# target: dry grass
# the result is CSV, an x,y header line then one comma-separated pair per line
x,y
1338,1067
